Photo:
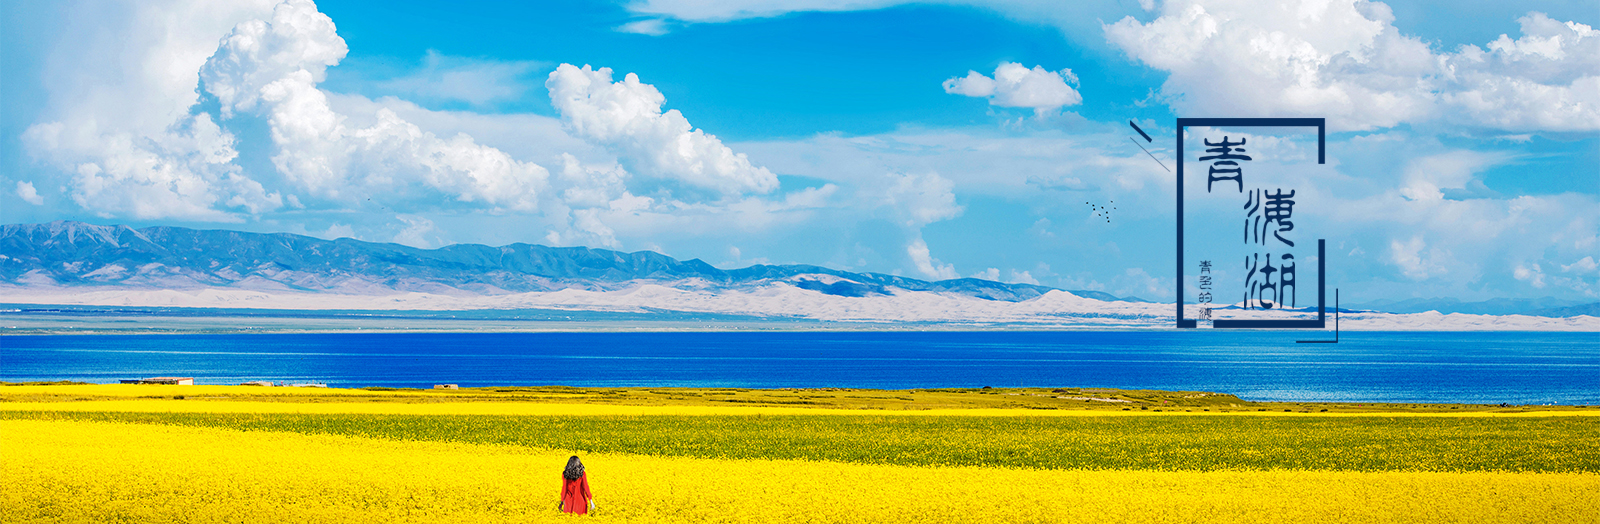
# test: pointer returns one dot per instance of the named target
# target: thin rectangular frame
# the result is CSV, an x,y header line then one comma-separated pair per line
x,y
1322,131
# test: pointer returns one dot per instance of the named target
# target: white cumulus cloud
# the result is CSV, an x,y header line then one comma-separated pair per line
x,y
139,143
1021,277
924,262
1346,61
119,125
1585,265
1547,79
258,52
918,200
185,171
1530,273
26,192
626,116
1014,85
415,232
272,68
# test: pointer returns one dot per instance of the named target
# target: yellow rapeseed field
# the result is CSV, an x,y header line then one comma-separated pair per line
x,y
130,390
69,471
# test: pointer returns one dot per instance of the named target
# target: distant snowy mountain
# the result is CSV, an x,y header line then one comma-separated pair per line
x,y
1498,306
75,254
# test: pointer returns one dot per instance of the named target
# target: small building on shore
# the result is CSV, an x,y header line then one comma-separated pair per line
x,y
446,386
173,381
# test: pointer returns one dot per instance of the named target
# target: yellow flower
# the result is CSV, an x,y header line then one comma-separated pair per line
x,y
75,471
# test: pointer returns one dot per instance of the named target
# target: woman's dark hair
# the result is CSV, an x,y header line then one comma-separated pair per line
x,y
574,469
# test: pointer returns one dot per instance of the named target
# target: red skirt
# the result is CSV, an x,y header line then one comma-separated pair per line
x,y
575,495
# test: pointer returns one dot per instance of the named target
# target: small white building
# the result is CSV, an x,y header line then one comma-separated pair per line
x,y
446,386
174,381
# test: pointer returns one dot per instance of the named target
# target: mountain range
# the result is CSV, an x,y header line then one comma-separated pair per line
x,y
73,254
114,264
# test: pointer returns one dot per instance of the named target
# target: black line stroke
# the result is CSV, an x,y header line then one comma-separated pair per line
x,y
1147,152
1141,132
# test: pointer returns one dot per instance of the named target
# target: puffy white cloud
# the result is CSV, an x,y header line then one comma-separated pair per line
x,y
183,172
160,165
588,192
118,123
259,52
28,194
590,185
528,136
975,84
1341,59
924,262
1016,86
918,200
1530,273
141,147
132,66
1548,79
1345,60
337,161
1585,265
588,200
415,232
272,68
1431,177
1021,277
626,116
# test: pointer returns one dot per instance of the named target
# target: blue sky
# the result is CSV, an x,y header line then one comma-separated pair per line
x,y
860,134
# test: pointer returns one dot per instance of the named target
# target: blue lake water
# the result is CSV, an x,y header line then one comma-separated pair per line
x,y
1518,368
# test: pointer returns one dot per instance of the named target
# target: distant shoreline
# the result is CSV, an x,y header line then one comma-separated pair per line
x,y
22,319
1026,401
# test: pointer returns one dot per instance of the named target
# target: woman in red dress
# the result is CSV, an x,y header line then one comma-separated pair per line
x,y
575,497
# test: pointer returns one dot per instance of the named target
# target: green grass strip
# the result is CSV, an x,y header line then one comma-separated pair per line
x,y
1167,443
